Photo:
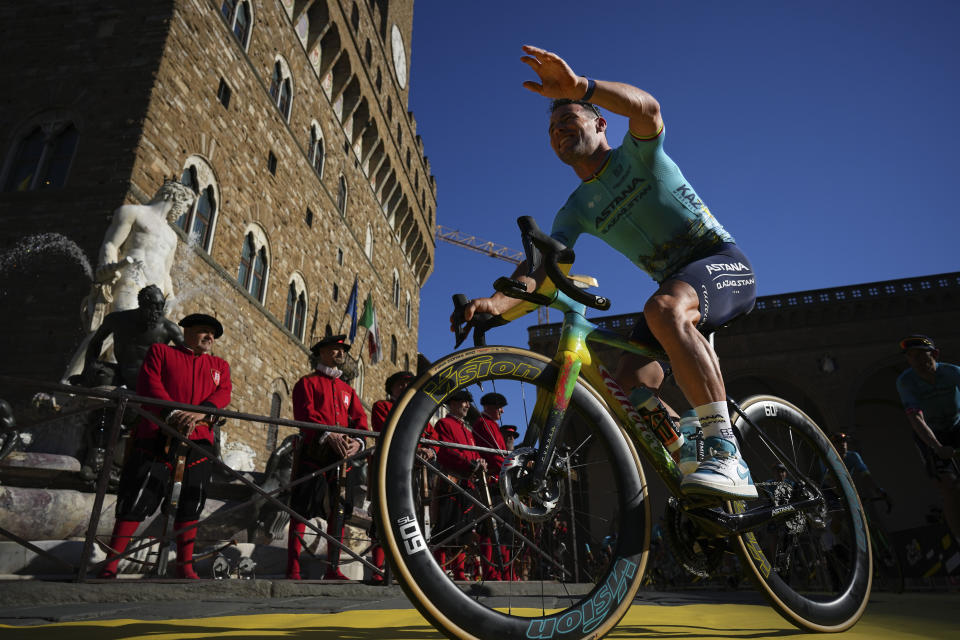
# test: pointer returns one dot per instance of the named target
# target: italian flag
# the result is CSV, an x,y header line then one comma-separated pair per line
x,y
369,320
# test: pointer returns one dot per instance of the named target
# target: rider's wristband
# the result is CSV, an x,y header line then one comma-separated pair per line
x,y
591,85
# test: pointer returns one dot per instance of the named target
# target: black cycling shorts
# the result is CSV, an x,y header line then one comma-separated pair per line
x,y
937,466
725,284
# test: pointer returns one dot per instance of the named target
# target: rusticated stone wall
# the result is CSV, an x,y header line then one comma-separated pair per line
x,y
142,83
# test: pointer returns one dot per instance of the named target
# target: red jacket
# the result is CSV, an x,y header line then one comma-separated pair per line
x,y
379,414
458,461
178,374
486,433
325,400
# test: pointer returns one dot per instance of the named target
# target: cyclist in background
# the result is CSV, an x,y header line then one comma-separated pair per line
x,y
858,469
930,392
635,199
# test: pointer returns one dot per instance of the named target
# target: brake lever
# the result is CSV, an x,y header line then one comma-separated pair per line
x,y
461,328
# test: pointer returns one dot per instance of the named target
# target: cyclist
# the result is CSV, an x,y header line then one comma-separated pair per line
x,y
858,468
635,198
930,392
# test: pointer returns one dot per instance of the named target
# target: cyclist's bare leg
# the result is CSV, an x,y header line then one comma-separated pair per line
x,y
672,314
637,371
950,490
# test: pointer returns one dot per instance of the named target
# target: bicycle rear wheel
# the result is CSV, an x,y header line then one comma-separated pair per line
x,y
580,566
814,566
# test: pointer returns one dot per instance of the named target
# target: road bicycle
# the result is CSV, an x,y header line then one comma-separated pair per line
x,y
887,568
580,471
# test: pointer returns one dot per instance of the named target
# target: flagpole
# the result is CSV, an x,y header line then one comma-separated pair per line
x,y
362,341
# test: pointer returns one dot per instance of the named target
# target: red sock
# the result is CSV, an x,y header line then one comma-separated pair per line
x,y
293,549
185,543
123,530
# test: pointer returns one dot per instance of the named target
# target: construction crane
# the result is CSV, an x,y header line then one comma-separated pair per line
x,y
467,241
492,249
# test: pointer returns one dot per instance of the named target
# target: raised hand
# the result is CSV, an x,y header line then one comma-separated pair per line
x,y
557,79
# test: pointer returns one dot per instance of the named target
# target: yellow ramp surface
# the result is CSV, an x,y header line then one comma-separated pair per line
x,y
687,622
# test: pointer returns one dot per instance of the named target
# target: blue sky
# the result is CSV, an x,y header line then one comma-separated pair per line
x,y
821,134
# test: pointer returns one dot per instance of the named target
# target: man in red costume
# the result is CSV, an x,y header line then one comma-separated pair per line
x,y
461,465
395,386
322,397
486,432
187,374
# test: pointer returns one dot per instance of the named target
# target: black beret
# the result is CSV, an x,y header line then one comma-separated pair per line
x,y
460,395
509,430
195,319
397,377
494,399
340,340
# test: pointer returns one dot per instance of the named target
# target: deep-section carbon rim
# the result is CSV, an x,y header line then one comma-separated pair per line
x,y
813,567
581,590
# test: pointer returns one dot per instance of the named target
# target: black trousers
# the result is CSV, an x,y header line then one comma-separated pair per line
x,y
145,480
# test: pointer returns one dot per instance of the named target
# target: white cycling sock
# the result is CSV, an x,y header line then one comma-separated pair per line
x,y
715,421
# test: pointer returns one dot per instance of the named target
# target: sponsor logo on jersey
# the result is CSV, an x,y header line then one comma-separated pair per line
x,y
686,194
216,376
619,198
746,282
735,267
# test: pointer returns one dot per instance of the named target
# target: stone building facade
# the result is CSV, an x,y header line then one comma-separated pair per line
x,y
833,353
288,118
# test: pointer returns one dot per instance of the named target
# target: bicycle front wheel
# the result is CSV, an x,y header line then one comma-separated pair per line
x,y
571,572
813,565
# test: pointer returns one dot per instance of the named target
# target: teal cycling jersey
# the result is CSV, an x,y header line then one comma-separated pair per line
x,y
641,205
940,401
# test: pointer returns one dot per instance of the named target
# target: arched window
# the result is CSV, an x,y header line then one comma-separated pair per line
x,y
246,261
254,263
296,310
258,284
342,196
396,289
239,17
199,221
406,362
393,349
316,152
281,88
368,244
409,313
41,159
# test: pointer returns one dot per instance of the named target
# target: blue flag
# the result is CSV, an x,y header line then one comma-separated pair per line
x,y
351,309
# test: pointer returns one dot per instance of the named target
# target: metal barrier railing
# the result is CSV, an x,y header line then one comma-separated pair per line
x,y
121,401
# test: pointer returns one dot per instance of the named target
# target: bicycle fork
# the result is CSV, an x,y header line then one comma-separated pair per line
x,y
545,426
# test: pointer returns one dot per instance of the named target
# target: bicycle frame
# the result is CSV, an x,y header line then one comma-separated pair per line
x,y
573,359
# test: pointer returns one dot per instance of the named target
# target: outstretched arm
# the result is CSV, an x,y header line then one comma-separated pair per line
x,y
557,80
113,239
498,303
925,433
